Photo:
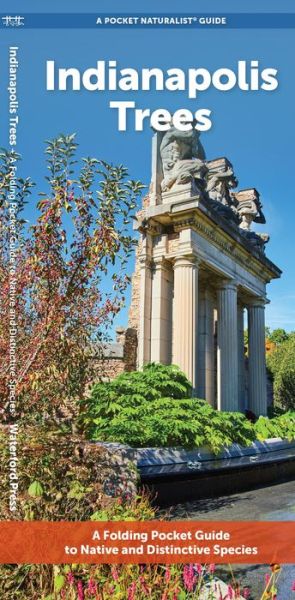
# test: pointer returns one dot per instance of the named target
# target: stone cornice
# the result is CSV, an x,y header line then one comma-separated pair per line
x,y
197,214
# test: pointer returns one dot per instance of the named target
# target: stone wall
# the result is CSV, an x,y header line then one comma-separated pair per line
x,y
112,359
128,339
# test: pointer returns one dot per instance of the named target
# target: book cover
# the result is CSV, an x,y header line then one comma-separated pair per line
x,y
147,433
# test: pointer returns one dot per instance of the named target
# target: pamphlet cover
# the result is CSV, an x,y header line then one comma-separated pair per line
x,y
147,433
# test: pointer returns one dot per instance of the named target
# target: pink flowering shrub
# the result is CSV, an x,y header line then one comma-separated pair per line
x,y
125,582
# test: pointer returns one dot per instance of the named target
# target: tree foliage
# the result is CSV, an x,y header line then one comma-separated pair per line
x,y
281,364
277,336
81,237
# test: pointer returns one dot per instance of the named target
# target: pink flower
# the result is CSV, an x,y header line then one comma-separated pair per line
x,y
70,578
293,586
220,593
131,591
189,577
168,574
91,587
143,585
230,592
267,578
246,592
115,574
211,569
80,590
199,569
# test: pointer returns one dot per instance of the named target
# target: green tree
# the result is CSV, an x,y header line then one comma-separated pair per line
x,y
70,272
277,336
281,364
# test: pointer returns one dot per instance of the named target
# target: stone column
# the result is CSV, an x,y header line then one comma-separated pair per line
x,y
185,316
161,317
206,373
257,367
241,358
227,348
144,337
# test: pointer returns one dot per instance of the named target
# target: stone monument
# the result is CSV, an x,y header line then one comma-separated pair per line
x,y
199,266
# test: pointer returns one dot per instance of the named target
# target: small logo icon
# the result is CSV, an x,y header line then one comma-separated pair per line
x,y
13,21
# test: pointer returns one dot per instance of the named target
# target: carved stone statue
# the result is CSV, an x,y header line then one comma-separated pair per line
x,y
257,240
249,208
220,180
182,157
183,162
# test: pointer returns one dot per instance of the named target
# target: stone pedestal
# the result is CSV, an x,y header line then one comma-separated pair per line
x,y
227,348
257,367
185,316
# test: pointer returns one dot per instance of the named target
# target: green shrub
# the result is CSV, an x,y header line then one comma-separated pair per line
x,y
122,582
281,364
62,476
282,427
152,407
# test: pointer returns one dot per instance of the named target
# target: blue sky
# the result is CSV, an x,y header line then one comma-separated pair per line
x,y
255,130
